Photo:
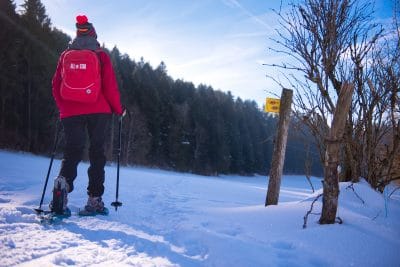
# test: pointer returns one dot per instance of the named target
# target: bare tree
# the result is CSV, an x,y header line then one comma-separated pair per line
x,y
331,42
382,163
331,176
307,166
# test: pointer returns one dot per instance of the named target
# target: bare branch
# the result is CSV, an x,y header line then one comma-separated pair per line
x,y
351,186
310,211
397,188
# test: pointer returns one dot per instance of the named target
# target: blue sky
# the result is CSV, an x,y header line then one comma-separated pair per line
x,y
221,43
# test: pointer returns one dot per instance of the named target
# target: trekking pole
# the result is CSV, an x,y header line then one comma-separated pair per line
x,y
39,210
116,203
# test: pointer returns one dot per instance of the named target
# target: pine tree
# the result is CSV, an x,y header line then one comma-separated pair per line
x,y
37,57
9,40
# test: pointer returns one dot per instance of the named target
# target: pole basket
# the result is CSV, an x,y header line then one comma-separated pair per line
x,y
116,204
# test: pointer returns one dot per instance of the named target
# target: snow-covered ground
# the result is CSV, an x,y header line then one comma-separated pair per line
x,y
178,219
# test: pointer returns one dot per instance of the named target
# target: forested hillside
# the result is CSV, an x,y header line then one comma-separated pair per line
x,y
173,123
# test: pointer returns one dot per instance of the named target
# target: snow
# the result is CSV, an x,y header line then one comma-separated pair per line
x,y
180,219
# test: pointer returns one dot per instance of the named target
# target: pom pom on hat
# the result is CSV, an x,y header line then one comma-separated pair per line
x,y
84,28
81,19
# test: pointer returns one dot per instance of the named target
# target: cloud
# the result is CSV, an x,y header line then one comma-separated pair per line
x,y
257,19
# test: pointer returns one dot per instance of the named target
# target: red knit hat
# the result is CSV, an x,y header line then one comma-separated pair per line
x,y
84,28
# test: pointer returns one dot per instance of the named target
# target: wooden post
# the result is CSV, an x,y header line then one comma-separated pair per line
x,y
331,177
278,156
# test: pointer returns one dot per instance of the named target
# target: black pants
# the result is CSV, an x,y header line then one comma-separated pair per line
x,y
75,139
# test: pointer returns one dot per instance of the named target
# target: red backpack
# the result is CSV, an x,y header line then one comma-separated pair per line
x,y
81,76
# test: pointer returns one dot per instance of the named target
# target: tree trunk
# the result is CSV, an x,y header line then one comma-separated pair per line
x,y
333,142
3,116
278,156
29,89
128,143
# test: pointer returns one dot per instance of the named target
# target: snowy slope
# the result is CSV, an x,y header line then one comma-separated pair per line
x,y
175,219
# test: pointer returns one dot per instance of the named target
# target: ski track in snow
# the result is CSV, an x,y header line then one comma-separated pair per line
x,y
177,219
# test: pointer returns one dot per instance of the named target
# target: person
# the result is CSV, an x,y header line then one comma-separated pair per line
x,y
77,117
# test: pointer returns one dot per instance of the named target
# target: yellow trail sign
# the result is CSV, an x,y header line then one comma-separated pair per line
x,y
272,105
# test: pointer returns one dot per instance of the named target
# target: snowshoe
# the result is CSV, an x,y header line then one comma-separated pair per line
x,y
85,212
60,197
94,206
49,217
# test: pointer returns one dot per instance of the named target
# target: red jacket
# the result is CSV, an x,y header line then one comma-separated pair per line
x,y
108,101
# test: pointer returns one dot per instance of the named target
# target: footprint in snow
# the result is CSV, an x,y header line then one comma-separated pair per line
x,y
3,200
283,245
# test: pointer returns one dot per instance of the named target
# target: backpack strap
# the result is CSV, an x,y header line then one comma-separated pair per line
x,y
98,51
